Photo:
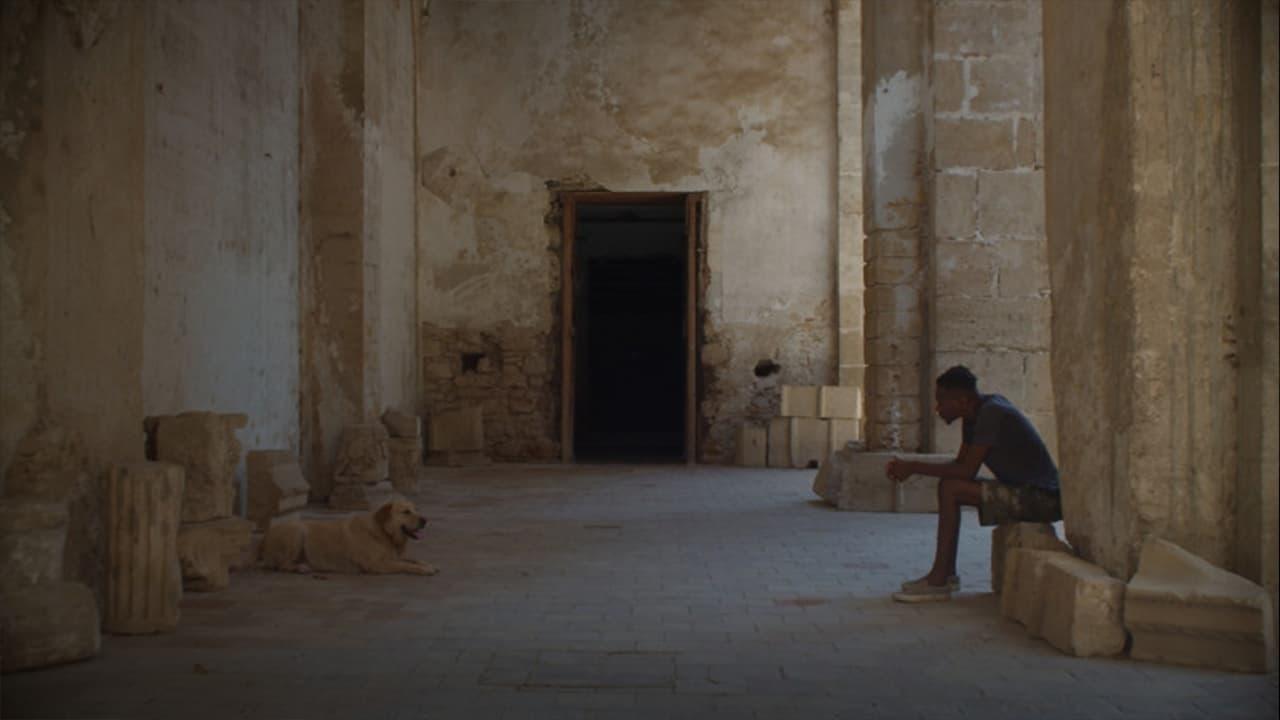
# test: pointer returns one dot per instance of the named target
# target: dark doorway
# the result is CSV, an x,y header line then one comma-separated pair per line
x,y
629,315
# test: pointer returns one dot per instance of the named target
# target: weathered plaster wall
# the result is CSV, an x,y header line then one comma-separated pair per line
x,y
72,221
989,306
1146,207
737,98
221,247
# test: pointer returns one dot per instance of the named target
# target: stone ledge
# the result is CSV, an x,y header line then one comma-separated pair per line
x,y
1083,608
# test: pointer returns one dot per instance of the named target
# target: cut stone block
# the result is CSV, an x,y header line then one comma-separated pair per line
x,y
208,550
1022,597
809,438
780,442
361,497
1182,609
916,494
404,457
753,446
799,401
33,540
1033,536
362,455
856,480
1083,613
47,624
144,581
836,402
841,433
457,430
205,445
402,425
275,484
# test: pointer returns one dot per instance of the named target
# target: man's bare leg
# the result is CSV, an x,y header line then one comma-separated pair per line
x,y
952,495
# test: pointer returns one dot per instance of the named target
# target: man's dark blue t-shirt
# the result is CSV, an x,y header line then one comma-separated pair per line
x,y
1018,455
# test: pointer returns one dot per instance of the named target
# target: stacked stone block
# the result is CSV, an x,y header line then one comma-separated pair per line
x,y
204,445
989,306
804,434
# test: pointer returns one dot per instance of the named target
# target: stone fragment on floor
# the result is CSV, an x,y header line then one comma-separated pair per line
x,y
205,445
207,551
276,486
144,579
1184,610
45,624
1083,607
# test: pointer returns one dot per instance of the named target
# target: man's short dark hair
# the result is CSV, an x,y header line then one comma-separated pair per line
x,y
958,377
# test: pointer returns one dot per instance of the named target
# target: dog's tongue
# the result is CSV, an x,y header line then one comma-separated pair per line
x,y
412,533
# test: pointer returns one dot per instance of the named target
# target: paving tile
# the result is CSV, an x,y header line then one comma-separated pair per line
x,y
712,593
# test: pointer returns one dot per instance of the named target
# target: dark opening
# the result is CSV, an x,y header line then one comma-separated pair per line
x,y
629,343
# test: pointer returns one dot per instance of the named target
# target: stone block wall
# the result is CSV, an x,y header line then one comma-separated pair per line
x,y
508,372
989,306
894,95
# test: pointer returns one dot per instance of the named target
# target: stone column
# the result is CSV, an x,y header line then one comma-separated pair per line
x,y
850,282
895,41
1257,489
1151,130
144,582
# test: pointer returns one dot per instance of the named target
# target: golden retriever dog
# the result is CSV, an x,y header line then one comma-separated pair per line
x,y
370,543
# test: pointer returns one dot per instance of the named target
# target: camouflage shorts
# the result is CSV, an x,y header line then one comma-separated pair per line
x,y
1003,503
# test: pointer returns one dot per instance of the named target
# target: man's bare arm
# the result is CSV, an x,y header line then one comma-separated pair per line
x,y
964,467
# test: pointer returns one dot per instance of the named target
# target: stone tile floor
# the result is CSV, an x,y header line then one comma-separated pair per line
x,y
623,592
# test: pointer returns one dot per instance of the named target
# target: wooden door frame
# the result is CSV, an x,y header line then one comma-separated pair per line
x,y
695,218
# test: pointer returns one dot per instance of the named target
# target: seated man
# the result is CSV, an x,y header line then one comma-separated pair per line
x,y
1025,488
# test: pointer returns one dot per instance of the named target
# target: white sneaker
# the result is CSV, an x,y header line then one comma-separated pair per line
x,y
953,584
926,593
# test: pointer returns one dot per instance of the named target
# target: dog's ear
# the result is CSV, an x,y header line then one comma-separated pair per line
x,y
383,514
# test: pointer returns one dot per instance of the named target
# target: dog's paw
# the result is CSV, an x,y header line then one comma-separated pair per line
x,y
425,569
